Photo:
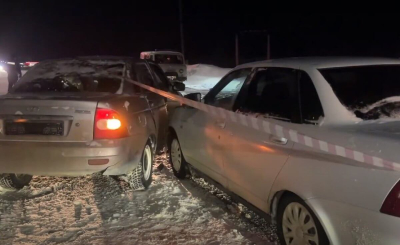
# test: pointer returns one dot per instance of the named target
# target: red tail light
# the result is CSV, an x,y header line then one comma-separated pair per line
x,y
108,124
391,205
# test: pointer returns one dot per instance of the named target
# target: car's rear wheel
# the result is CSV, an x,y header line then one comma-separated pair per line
x,y
297,224
142,176
176,158
14,181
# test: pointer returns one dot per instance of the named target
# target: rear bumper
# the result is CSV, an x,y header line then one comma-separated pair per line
x,y
63,158
347,224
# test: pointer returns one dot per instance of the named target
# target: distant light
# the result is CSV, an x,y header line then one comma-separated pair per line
x,y
1,68
20,120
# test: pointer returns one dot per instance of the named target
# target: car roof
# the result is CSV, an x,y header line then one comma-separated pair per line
x,y
321,62
162,52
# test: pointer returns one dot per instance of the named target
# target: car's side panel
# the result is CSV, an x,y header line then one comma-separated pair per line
x,y
141,127
202,143
312,173
348,224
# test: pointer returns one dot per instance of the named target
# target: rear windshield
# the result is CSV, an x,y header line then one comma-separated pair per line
x,y
168,59
70,84
371,92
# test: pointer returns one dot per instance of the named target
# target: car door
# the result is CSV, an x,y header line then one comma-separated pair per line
x,y
157,103
257,157
205,138
164,84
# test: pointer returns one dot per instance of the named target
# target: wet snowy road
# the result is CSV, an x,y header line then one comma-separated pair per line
x,y
100,210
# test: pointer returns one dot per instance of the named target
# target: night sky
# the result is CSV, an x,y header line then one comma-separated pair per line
x,y
58,29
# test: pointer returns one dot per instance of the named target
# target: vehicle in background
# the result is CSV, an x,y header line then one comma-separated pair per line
x,y
315,197
7,68
25,66
72,117
171,62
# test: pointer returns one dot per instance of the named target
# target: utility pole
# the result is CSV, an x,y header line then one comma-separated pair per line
x,y
268,48
181,28
237,49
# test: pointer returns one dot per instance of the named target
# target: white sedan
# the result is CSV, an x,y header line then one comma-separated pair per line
x,y
315,197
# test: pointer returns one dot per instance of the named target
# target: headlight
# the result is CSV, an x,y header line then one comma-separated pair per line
x,y
181,71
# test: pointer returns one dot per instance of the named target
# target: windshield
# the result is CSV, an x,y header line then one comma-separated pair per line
x,y
168,59
70,84
368,91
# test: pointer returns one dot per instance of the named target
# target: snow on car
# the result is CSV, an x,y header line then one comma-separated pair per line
x,y
314,196
78,116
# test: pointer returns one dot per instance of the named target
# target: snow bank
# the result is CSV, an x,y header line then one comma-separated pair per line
x,y
203,77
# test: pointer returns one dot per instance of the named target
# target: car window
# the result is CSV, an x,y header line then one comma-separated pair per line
x,y
272,93
161,80
168,59
370,92
143,74
70,83
311,107
227,89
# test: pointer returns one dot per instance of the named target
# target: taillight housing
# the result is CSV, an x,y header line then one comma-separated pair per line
x,y
108,124
391,205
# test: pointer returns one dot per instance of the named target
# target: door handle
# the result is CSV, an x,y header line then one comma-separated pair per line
x,y
278,140
220,124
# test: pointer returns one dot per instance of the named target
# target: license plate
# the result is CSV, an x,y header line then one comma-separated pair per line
x,y
171,77
34,128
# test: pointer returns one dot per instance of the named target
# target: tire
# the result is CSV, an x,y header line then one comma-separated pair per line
x,y
14,182
142,176
176,159
296,230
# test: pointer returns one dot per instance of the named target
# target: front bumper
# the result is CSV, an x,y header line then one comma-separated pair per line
x,y
61,158
348,224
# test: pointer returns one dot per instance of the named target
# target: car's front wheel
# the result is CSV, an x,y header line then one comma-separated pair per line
x,y
297,224
176,158
14,182
141,177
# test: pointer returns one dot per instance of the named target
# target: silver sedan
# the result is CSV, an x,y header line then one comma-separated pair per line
x,y
315,197
78,116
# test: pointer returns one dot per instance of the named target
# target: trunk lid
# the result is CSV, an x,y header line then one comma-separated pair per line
x,y
52,117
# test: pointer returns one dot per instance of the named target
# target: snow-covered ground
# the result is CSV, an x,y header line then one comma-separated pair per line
x,y
101,210
201,78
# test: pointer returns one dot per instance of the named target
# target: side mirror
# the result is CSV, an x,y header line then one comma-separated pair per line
x,y
194,97
178,86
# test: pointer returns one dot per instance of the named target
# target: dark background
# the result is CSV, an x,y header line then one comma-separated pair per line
x,y
54,29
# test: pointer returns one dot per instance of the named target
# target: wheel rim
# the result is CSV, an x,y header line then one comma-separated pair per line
x,y
147,162
176,155
298,225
